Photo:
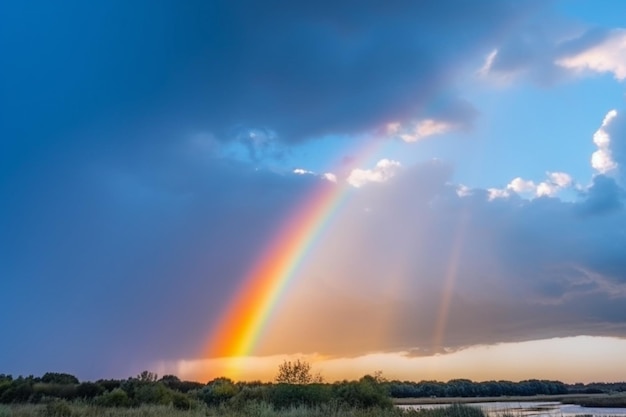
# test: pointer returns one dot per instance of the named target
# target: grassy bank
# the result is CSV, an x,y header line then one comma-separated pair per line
x,y
250,410
602,400
586,400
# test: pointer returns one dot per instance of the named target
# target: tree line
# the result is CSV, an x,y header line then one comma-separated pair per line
x,y
468,388
295,384
147,388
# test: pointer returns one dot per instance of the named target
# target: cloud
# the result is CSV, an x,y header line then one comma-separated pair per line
x,y
383,171
604,195
549,51
503,270
606,55
450,116
555,182
157,250
328,176
280,69
602,159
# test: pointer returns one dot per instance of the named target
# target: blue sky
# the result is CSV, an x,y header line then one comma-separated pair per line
x,y
150,151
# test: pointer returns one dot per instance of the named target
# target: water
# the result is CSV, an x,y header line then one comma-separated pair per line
x,y
533,409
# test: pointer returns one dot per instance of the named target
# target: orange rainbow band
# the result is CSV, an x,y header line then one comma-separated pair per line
x,y
242,325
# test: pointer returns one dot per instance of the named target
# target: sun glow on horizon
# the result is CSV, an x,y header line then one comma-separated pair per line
x,y
569,359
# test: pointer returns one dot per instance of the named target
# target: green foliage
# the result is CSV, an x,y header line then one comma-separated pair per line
x,y
284,396
467,388
155,393
89,390
64,391
57,409
116,398
147,376
109,384
456,410
219,391
181,401
58,378
298,372
366,393
20,390
250,394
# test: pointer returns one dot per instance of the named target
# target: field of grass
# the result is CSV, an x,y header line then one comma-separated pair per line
x,y
250,410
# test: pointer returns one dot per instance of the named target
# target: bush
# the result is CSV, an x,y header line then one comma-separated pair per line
x,y
218,391
366,393
115,398
57,409
154,393
88,390
181,401
289,395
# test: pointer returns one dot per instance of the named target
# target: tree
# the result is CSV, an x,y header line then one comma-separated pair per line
x,y
298,372
59,378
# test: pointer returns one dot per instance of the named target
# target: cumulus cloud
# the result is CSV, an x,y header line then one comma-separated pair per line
x,y
602,159
520,185
382,171
550,187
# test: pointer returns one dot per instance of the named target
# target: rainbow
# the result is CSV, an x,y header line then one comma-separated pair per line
x,y
242,324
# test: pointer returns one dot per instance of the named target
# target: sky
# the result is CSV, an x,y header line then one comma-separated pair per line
x,y
430,189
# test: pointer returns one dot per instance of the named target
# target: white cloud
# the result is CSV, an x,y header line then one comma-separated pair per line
x,y
301,171
555,182
384,170
520,185
602,159
561,179
329,176
421,129
463,190
607,56
486,68
498,193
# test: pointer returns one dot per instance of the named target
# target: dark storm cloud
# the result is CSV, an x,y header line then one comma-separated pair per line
x,y
107,270
298,69
123,234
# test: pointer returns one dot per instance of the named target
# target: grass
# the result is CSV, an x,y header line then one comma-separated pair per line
x,y
602,400
606,401
254,409
249,410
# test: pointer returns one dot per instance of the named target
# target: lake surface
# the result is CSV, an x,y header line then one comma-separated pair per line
x,y
532,409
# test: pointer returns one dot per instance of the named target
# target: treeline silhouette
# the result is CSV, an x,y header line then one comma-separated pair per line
x,y
369,391
468,388
147,388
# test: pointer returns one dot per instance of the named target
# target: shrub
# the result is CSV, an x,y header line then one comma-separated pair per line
x,y
57,409
218,391
115,398
365,393
289,395
181,401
